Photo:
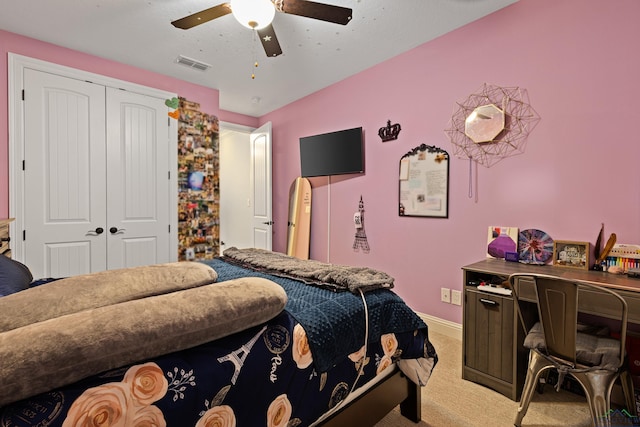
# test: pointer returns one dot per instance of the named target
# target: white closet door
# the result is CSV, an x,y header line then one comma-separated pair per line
x,y
137,180
97,187
65,175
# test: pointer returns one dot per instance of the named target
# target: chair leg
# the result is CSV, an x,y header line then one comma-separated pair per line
x,y
537,365
629,395
597,387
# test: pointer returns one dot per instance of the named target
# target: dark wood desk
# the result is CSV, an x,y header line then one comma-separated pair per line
x,y
492,350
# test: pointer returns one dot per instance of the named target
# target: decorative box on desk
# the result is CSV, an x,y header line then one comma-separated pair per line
x,y
492,350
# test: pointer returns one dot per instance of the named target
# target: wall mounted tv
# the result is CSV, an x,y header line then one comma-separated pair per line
x,y
333,153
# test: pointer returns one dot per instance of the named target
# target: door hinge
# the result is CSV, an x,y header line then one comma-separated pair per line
x,y
24,235
23,94
169,228
169,121
23,165
169,175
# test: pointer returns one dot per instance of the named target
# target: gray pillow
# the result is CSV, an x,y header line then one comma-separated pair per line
x,y
14,276
42,356
88,291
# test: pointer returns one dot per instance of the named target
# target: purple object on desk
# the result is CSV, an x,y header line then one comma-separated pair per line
x,y
512,256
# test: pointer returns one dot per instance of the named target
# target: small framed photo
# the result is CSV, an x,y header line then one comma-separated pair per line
x,y
572,254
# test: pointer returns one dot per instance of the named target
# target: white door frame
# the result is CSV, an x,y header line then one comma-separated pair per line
x,y
16,65
235,198
245,213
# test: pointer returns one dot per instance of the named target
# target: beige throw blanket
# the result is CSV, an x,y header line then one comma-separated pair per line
x,y
332,276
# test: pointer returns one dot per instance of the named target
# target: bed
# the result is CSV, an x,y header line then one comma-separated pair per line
x,y
253,338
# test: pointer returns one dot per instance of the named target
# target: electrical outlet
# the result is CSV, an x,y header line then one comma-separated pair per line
x,y
456,297
445,295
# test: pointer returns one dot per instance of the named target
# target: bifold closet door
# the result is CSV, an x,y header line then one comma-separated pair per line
x,y
96,185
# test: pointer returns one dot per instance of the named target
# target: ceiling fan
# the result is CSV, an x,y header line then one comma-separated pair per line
x,y
258,14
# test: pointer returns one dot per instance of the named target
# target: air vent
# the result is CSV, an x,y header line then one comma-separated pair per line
x,y
192,63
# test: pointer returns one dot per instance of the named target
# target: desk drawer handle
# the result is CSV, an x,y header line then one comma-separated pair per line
x,y
488,301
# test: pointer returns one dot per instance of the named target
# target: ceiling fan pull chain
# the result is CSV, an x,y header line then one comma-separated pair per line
x,y
253,52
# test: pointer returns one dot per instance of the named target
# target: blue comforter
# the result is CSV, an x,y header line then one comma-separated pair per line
x,y
335,322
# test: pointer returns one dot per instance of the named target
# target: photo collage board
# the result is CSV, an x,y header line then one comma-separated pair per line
x,y
198,183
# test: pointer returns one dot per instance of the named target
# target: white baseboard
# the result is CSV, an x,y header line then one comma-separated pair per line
x,y
441,326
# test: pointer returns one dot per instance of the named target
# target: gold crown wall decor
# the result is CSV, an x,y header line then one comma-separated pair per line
x,y
390,132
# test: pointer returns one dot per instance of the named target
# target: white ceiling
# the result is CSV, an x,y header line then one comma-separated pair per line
x,y
316,54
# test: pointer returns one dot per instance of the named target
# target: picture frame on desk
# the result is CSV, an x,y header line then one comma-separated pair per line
x,y
571,254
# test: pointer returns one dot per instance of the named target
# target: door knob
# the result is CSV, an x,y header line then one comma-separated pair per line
x,y
97,231
114,230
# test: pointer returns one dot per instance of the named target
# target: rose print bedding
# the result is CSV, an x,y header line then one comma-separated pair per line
x,y
288,371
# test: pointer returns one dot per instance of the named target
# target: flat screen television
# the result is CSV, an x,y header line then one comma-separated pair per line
x,y
333,153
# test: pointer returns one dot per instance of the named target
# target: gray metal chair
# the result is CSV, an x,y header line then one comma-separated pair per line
x,y
555,342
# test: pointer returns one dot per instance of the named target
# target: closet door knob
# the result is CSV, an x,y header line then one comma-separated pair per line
x,y
114,230
96,232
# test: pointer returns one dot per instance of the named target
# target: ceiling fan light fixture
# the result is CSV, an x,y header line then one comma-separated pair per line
x,y
254,14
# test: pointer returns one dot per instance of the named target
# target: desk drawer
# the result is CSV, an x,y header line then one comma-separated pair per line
x,y
590,301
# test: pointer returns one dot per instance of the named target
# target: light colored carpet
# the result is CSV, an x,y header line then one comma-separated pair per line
x,y
450,401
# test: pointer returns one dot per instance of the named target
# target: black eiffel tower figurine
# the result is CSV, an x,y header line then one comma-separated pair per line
x,y
361,237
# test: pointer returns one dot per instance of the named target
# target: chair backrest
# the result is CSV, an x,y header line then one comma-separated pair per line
x,y
558,311
557,300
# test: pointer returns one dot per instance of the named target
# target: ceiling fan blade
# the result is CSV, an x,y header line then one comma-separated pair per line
x,y
323,12
202,16
269,41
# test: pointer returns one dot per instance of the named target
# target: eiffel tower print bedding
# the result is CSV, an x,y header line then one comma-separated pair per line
x,y
288,371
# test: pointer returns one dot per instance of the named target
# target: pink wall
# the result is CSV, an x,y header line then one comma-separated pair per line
x,y
9,42
577,59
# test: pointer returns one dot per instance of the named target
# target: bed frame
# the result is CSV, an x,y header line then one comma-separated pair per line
x,y
372,406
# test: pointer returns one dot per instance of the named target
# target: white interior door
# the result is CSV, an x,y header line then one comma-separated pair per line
x,y
260,178
236,212
97,187
138,172
64,175
245,187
